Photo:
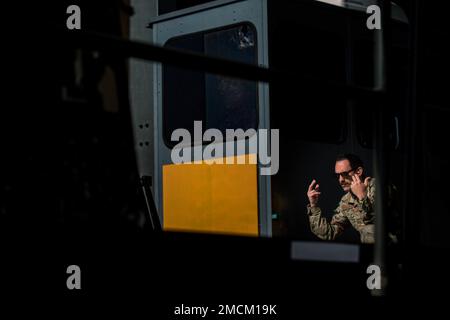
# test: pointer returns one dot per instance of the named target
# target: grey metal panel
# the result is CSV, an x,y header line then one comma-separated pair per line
x,y
141,79
189,11
254,11
264,189
330,252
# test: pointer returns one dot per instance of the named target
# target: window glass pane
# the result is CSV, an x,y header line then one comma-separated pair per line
x,y
183,90
231,102
218,101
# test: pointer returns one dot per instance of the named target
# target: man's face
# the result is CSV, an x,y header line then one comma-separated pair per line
x,y
344,172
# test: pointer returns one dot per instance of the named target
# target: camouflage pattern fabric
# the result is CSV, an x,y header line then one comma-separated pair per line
x,y
351,211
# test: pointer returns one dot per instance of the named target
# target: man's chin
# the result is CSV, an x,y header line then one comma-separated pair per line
x,y
346,189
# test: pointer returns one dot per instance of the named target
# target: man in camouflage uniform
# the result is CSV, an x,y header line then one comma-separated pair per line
x,y
356,207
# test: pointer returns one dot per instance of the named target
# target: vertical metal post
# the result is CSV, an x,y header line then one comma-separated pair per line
x,y
150,202
379,143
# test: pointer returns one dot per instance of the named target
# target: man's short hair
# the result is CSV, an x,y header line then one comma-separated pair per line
x,y
354,160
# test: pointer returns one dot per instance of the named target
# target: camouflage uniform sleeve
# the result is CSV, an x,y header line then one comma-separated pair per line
x,y
322,228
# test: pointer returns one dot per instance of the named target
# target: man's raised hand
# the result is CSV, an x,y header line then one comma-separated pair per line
x,y
313,193
358,187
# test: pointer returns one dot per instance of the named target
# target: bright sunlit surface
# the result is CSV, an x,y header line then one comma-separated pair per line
x,y
334,2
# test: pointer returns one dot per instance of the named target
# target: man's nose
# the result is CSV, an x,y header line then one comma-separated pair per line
x,y
341,179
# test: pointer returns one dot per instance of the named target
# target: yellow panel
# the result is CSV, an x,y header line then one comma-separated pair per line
x,y
218,198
